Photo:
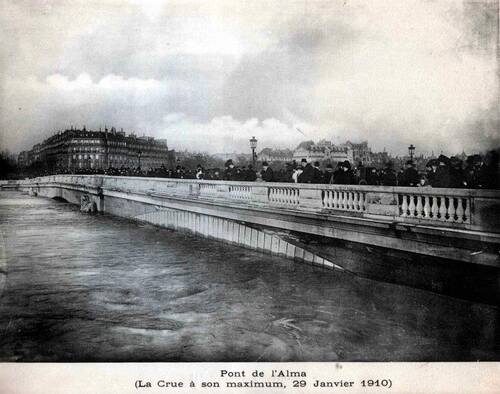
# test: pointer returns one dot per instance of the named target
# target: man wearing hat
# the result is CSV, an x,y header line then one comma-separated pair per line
x,y
388,175
441,177
307,172
344,175
328,174
267,172
409,177
229,172
250,174
457,176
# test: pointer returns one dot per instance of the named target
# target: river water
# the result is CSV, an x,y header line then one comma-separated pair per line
x,y
98,288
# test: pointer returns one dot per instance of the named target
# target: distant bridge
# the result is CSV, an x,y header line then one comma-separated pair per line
x,y
447,240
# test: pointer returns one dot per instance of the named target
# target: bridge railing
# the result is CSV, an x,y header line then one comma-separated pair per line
x,y
460,208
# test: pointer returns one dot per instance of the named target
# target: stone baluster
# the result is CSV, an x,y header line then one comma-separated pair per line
x,y
460,210
467,211
355,202
404,207
451,209
419,207
349,200
435,208
427,208
335,199
361,201
344,200
411,206
442,209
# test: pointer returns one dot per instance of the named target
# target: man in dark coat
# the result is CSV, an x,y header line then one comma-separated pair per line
x,y
345,175
457,176
317,174
487,174
267,172
388,175
250,174
328,174
430,169
409,177
307,175
229,172
371,176
441,177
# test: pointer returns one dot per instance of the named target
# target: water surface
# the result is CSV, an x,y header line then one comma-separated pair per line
x,y
99,288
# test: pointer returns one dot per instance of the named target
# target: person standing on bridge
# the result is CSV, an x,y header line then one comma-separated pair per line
x,y
229,172
317,174
409,177
307,172
267,172
199,172
328,174
250,175
388,175
344,175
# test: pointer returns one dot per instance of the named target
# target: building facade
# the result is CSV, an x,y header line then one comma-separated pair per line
x,y
87,149
275,155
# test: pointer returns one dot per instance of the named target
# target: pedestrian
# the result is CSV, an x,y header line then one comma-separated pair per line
x,y
328,174
344,176
229,172
409,176
267,172
457,176
441,176
199,172
388,175
250,175
307,174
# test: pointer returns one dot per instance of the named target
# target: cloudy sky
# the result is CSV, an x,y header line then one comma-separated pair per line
x,y
209,75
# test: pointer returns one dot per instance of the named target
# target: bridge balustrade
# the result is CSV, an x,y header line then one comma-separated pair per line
x,y
460,208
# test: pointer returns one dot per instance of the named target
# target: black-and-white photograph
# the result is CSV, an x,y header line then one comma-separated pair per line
x,y
249,181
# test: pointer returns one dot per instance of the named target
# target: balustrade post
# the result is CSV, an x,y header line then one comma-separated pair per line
x,y
310,199
442,209
451,209
259,193
460,210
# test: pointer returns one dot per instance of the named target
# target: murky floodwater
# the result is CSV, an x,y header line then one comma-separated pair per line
x,y
98,288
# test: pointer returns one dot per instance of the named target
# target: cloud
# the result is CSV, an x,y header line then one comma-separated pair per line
x,y
226,134
215,73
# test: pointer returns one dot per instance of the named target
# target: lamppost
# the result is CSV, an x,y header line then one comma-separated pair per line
x,y
139,153
411,150
253,146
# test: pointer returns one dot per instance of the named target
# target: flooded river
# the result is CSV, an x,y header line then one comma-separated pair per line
x,y
98,288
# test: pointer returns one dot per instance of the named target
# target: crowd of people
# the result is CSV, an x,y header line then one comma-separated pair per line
x,y
477,172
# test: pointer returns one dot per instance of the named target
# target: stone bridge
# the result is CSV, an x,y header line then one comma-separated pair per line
x,y
445,240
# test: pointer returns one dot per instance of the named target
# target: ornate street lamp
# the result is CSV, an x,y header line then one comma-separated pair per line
x,y
411,150
139,154
253,146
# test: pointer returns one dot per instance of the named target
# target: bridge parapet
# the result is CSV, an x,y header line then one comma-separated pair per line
x,y
455,208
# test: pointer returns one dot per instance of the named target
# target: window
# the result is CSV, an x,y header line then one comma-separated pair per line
x,y
96,157
79,157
